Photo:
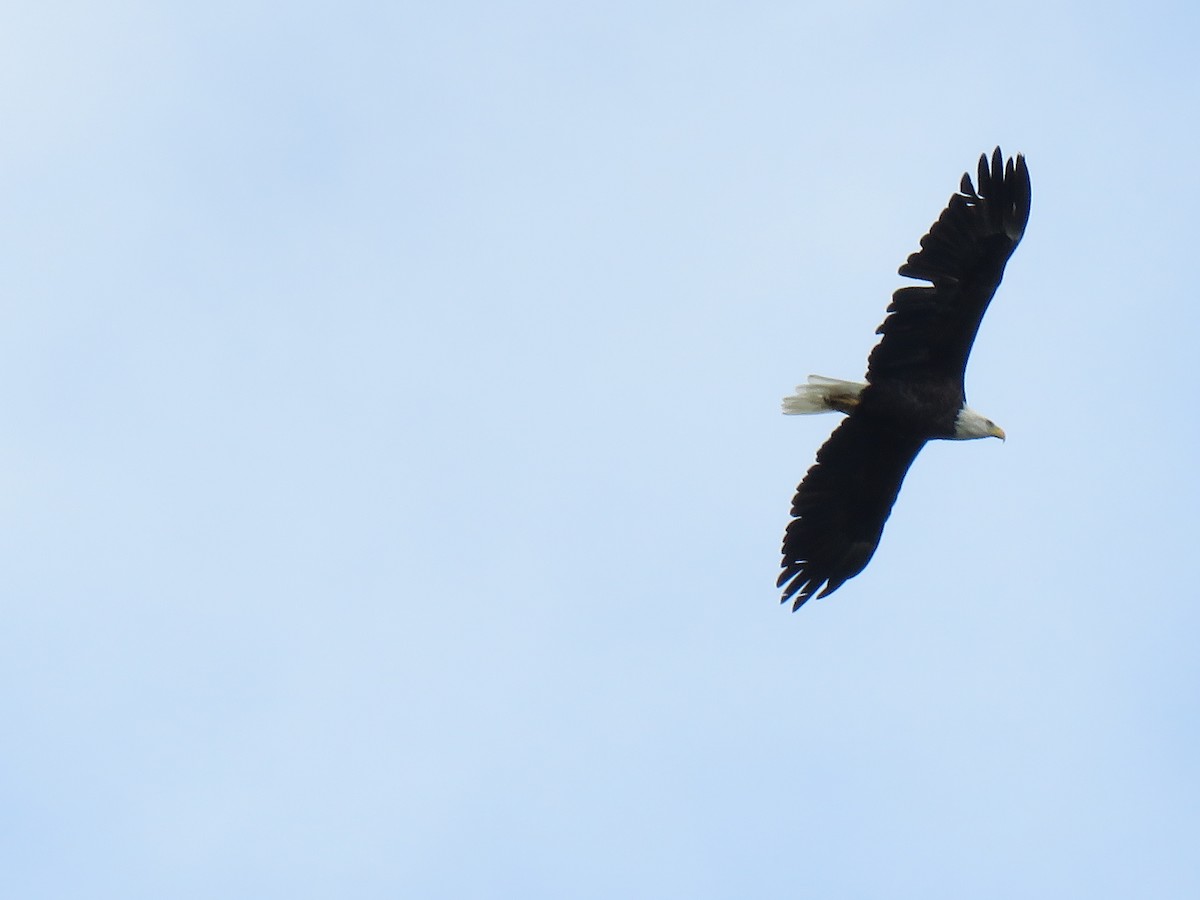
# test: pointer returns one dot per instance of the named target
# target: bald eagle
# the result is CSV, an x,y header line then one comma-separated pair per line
x,y
914,389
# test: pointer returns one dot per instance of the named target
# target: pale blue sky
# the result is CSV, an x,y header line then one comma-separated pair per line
x,y
392,476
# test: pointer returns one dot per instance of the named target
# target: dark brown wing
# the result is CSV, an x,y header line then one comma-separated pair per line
x,y
841,506
929,330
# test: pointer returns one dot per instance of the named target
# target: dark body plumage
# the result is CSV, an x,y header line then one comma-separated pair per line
x,y
914,391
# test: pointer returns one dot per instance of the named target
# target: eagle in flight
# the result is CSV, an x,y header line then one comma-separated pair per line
x,y
914,389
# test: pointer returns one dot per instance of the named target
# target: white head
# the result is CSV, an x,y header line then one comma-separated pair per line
x,y
970,425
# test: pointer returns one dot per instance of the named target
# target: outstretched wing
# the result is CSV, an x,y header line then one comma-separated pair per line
x,y
929,330
841,505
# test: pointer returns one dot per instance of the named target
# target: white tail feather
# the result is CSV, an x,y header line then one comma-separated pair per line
x,y
822,394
